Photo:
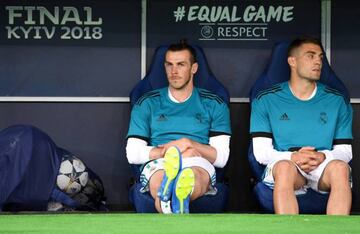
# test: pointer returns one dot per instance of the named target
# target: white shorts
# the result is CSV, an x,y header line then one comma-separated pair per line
x,y
312,177
153,166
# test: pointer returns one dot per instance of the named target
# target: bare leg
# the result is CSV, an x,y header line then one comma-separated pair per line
x,y
202,182
335,179
154,184
287,180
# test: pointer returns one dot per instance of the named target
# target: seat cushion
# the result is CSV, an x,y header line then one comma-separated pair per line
x,y
144,203
310,203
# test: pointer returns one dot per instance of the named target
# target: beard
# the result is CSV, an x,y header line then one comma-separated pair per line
x,y
178,85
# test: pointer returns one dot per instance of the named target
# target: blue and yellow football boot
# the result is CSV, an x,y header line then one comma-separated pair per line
x,y
182,190
172,166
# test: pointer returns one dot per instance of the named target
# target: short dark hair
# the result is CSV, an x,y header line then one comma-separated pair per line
x,y
299,41
183,45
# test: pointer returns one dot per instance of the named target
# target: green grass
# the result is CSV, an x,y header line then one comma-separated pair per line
x,y
167,224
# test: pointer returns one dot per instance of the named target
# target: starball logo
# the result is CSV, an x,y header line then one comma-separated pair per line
x,y
233,22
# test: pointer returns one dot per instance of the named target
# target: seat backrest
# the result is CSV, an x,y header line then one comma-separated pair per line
x,y
278,71
156,76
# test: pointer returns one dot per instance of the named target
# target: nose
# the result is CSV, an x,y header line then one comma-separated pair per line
x,y
318,60
174,70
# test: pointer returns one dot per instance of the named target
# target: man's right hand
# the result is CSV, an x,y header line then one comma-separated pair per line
x,y
190,152
182,144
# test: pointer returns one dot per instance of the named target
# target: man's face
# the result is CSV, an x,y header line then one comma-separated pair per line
x,y
307,61
179,69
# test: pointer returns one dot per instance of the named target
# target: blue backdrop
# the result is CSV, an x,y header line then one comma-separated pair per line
x,y
92,48
345,47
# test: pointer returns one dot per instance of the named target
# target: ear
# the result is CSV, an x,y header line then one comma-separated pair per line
x,y
291,61
194,68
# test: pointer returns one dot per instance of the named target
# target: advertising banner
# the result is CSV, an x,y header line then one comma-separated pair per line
x,y
69,48
237,36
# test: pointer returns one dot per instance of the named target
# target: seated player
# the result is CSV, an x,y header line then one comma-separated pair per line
x,y
180,133
302,131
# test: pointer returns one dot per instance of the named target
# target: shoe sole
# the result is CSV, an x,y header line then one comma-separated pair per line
x,y
183,188
172,164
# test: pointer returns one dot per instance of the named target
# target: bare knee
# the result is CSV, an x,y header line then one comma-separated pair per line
x,y
337,168
286,174
284,168
336,173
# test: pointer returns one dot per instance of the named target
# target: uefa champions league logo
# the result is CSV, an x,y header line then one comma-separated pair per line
x,y
207,31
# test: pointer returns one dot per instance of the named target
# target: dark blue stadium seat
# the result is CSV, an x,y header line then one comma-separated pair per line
x,y
154,79
278,71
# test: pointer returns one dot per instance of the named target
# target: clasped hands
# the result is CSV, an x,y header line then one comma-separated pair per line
x,y
307,158
185,145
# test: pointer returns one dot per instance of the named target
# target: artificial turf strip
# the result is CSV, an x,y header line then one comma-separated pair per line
x,y
168,224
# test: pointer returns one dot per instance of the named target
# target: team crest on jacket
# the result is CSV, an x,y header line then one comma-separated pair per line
x,y
199,117
323,117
